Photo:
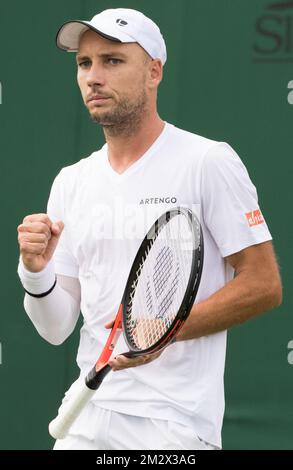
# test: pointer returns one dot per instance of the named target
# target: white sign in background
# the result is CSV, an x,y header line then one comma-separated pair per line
x,y
290,96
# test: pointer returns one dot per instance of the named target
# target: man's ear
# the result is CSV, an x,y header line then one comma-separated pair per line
x,y
155,73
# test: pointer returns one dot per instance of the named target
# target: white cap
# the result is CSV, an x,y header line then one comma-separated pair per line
x,y
121,25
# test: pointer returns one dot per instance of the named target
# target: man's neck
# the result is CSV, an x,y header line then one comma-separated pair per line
x,y
124,149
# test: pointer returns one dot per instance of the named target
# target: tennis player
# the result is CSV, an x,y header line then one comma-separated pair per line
x,y
78,254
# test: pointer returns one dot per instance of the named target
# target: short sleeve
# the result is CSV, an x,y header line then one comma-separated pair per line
x,y
64,260
229,202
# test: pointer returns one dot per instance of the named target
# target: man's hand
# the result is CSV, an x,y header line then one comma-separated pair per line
x,y
38,238
122,362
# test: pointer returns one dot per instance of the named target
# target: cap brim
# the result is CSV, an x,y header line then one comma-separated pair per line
x,y
69,35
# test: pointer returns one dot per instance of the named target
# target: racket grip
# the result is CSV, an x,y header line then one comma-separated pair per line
x,y
59,427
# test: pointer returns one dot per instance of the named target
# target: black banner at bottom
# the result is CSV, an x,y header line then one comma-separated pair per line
x,y
126,459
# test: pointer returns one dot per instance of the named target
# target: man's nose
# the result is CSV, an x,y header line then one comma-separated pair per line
x,y
95,75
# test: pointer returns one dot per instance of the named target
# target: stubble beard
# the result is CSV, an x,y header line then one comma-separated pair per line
x,y
126,119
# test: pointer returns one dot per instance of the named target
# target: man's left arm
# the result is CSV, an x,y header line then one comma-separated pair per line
x,y
255,289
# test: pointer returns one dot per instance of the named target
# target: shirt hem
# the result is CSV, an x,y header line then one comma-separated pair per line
x,y
242,245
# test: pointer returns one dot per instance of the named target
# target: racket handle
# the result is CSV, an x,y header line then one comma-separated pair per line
x,y
59,427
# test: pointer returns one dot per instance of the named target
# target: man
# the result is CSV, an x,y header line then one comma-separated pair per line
x,y
78,255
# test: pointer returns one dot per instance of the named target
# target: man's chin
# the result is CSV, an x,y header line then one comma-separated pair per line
x,y
98,118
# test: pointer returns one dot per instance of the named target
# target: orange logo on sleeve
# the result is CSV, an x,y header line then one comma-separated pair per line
x,y
255,218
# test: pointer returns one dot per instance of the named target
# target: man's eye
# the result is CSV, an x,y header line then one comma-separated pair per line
x,y
84,64
114,61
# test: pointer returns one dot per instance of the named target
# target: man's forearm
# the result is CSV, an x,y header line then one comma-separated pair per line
x,y
241,299
54,316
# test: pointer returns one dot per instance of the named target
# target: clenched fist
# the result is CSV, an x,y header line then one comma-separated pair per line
x,y
38,238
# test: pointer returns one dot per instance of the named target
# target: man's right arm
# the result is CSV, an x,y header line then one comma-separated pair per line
x,y
53,315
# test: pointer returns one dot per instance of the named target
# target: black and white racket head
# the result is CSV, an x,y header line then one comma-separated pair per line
x,y
163,281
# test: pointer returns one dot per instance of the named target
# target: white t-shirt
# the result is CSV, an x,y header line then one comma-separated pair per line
x,y
106,216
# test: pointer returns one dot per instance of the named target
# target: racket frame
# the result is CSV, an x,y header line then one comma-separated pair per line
x,y
192,286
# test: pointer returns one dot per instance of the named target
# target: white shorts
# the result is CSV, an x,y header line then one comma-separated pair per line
x,y
100,429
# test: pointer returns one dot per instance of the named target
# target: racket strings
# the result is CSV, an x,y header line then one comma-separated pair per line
x,y
160,284
149,300
168,299
162,269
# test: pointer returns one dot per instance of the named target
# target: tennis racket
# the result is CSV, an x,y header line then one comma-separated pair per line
x,y
159,293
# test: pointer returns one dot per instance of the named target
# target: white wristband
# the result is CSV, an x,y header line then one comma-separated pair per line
x,y
37,283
